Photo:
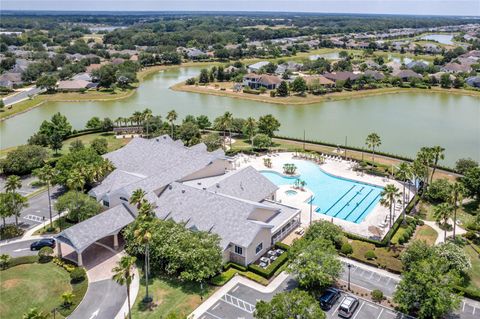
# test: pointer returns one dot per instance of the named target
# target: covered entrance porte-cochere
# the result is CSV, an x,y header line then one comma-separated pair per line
x,y
101,230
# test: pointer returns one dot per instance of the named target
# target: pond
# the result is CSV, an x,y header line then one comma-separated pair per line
x,y
405,122
440,38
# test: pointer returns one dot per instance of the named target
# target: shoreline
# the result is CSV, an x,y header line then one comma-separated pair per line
x,y
313,99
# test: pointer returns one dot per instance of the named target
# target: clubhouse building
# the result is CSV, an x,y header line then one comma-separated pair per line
x,y
192,186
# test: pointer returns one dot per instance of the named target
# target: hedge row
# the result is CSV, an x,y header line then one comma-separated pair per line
x,y
471,293
235,266
274,266
22,261
359,149
85,132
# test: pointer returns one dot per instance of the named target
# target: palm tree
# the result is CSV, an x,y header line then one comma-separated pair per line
x,y
442,212
76,181
119,121
226,121
46,175
373,141
425,160
457,191
404,173
123,275
34,314
137,117
12,184
438,153
143,236
171,117
147,115
250,127
137,197
126,120
390,195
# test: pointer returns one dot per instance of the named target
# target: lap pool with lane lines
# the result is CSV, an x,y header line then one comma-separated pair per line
x,y
334,196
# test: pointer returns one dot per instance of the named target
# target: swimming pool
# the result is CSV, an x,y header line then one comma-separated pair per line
x,y
334,196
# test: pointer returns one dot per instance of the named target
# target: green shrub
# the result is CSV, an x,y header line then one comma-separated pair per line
x,y
377,295
224,277
78,274
370,254
235,266
346,249
10,231
4,261
282,246
45,254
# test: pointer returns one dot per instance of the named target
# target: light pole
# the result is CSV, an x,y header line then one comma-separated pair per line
x,y
311,209
349,266
345,147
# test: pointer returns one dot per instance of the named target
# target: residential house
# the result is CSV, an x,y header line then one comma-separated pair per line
x,y
406,75
10,79
375,74
197,188
257,66
194,53
290,66
20,66
256,81
417,64
457,67
74,85
117,61
318,80
473,81
92,67
342,76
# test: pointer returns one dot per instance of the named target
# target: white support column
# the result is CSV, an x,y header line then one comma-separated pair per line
x,y
59,249
80,261
115,241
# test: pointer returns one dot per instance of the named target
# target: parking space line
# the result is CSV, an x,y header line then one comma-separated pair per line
x,y
234,301
211,314
358,311
235,289
373,306
378,317
215,307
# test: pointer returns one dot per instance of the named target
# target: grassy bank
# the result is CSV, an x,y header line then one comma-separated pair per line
x,y
224,89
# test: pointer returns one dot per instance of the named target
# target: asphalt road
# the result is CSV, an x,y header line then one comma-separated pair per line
x,y
22,96
37,211
370,280
103,300
18,249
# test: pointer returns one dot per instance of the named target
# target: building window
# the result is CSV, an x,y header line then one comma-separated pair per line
x,y
106,203
238,250
259,248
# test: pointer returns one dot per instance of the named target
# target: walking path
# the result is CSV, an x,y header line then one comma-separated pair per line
x,y
441,232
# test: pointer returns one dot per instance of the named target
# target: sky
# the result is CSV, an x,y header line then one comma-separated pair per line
x,y
416,7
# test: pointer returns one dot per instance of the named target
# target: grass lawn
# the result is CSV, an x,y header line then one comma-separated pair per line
x,y
465,214
32,285
475,271
386,258
427,234
169,295
62,221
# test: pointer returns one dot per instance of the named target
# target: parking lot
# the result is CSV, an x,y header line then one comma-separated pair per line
x,y
370,280
239,303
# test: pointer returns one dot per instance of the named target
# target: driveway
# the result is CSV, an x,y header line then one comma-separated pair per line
x,y
22,95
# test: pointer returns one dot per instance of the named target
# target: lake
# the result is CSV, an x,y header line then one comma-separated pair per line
x,y
440,38
405,122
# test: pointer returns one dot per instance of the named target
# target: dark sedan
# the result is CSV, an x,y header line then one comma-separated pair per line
x,y
329,298
45,242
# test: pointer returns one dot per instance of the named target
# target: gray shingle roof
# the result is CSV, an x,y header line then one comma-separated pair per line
x,y
153,164
246,183
82,235
224,215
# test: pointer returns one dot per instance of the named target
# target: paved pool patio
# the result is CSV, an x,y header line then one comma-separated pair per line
x,y
341,168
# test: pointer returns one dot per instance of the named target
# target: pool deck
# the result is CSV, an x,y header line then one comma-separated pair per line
x,y
377,215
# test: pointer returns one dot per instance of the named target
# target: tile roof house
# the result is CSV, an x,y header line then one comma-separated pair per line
x,y
343,76
194,186
473,81
10,79
256,81
74,85
318,79
406,75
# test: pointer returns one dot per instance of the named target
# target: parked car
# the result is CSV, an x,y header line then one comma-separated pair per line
x,y
348,307
45,242
329,298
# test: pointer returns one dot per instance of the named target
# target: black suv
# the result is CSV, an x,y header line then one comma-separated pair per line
x,y
329,298
45,242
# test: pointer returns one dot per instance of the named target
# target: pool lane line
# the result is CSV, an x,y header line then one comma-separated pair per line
x,y
367,207
339,199
348,203
358,204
